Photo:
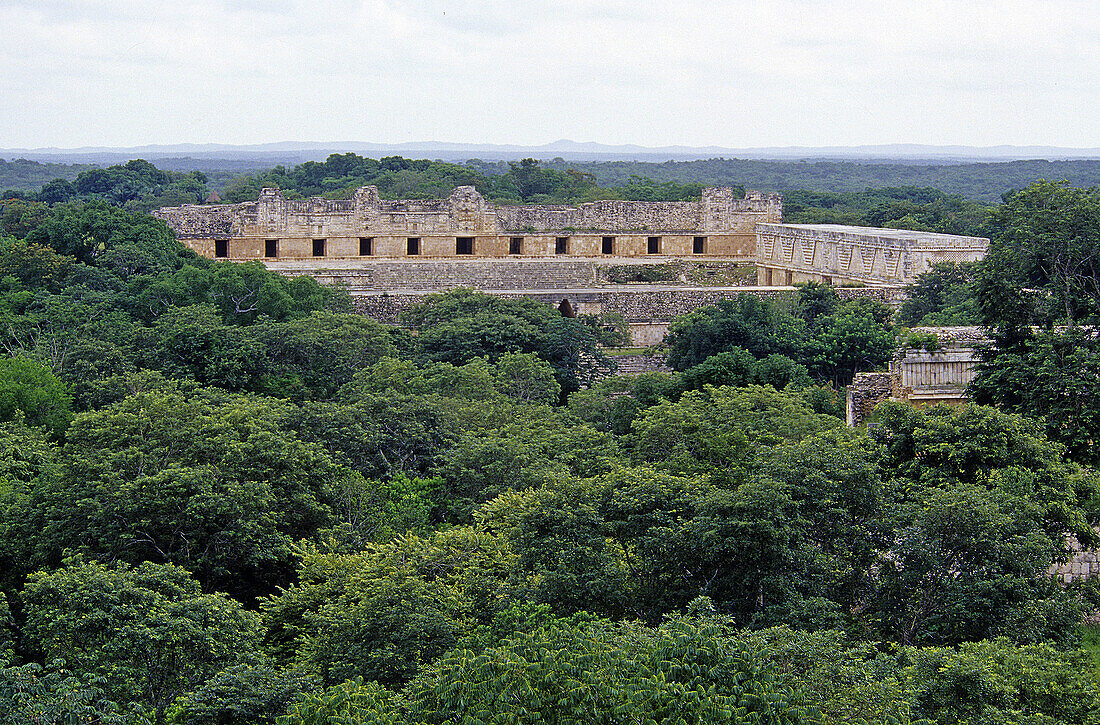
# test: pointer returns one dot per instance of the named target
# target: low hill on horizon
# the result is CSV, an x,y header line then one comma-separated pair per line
x,y
299,151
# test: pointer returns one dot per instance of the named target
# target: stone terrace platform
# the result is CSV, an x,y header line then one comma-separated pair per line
x,y
383,288
649,309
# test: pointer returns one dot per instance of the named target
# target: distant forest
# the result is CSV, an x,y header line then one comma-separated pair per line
x,y
24,175
984,182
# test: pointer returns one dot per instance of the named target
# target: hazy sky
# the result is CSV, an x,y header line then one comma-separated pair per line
x,y
735,74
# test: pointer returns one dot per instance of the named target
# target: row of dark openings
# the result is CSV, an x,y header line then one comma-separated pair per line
x,y
463,246
366,247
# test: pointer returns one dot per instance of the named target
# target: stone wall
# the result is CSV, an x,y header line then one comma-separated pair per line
x,y
643,304
830,253
716,211
516,274
921,377
1082,563
865,392
648,309
437,275
638,364
930,377
276,227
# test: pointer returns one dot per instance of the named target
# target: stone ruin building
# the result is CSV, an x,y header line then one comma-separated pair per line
x,y
391,254
920,376
465,225
648,261
788,254
314,235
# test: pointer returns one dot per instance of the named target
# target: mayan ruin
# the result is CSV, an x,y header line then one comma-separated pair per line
x,y
547,363
789,254
466,225
438,243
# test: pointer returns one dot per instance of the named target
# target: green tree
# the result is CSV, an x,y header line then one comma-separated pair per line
x,y
816,300
716,431
735,368
29,390
527,378
833,479
746,322
738,368
855,337
980,503
1045,239
88,231
462,324
194,343
683,671
216,486
942,296
1051,375
27,460
34,265
848,680
381,435
387,612
52,695
314,356
149,632
352,701
19,217
55,191
82,334
996,682
242,293
244,694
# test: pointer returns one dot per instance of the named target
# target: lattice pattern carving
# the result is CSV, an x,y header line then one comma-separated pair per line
x,y
809,247
867,257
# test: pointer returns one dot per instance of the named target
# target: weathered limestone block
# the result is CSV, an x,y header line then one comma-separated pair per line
x,y
865,392
1082,563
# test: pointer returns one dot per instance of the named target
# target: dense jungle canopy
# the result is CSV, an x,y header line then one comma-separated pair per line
x,y
225,499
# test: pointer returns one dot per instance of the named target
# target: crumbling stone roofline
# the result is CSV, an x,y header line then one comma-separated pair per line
x,y
466,210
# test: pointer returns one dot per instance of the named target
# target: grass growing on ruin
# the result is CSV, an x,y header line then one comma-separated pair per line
x,y
619,351
1090,642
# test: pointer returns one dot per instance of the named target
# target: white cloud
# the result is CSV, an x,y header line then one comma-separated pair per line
x,y
782,72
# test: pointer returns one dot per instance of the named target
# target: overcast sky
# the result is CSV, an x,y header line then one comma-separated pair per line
x,y
735,74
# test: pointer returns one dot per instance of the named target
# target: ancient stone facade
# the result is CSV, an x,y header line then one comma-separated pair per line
x,y
466,225
512,273
836,254
921,377
929,377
